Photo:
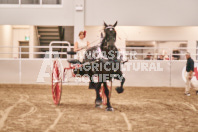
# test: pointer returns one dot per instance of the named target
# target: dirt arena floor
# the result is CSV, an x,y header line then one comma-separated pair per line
x,y
30,108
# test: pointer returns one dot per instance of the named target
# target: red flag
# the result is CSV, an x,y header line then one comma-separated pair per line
x,y
196,73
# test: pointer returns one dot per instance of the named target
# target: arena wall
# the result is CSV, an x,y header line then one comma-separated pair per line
x,y
128,13
137,73
38,15
5,40
142,12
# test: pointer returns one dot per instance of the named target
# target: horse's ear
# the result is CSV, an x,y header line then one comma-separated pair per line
x,y
115,24
105,24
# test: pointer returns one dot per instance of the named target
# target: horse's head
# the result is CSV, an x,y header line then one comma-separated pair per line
x,y
110,35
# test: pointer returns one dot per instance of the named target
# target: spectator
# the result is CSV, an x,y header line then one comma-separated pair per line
x,y
148,56
189,75
161,57
176,55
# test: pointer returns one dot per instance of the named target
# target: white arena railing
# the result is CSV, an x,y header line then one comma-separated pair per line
x,y
9,53
15,52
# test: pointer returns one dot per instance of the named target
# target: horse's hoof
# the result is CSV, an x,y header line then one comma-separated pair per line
x,y
109,109
119,90
98,106
98,102
91,85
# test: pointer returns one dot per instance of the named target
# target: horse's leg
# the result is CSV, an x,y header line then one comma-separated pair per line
x,y
122,80
92,84
98,100
109,108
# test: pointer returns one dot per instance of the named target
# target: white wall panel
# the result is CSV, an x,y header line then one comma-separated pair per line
x,y
38,15
139,73
5,40
142,12
127,12
9,71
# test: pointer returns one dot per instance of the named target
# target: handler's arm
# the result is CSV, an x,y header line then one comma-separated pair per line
x,y
76,47
88,44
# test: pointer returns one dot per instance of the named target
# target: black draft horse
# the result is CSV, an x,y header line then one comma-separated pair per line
x,y
106,67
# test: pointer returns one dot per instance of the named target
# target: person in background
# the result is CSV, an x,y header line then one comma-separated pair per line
x,y
161,57
148,56
176,55
189,75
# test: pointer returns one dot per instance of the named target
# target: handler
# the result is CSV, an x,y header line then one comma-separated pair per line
x,y
189,75
80,45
